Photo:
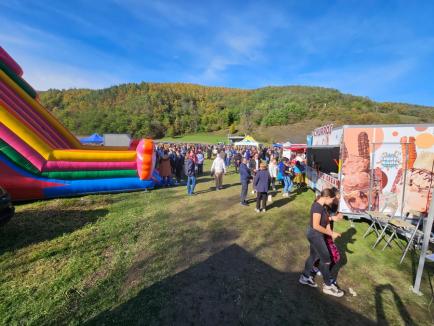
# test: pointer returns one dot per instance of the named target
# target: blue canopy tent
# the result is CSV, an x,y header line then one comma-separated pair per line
x,y
94,139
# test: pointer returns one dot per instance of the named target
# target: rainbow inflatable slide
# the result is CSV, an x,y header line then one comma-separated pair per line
x,y
40,158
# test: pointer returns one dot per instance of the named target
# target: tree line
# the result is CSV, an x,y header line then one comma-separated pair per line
x,y
171,109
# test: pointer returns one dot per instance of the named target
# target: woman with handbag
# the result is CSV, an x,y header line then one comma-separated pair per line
x,y
318,229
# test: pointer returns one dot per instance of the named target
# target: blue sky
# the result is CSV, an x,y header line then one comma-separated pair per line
x,y
380,49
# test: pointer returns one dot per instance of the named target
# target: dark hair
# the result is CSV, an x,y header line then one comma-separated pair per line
x,y
327,192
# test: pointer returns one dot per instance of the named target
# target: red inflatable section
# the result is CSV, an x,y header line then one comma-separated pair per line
x,y
21,187
145,159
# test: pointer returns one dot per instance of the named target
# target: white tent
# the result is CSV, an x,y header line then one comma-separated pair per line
x,y
247,141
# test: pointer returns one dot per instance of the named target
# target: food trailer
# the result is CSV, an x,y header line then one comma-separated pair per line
x,y
386,168
289,150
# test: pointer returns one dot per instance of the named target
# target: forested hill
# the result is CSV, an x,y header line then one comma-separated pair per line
x,y
154,109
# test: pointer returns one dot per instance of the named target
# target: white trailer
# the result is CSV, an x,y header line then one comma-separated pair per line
x,y
375,167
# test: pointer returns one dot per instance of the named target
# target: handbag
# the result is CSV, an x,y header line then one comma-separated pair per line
x,y
333,250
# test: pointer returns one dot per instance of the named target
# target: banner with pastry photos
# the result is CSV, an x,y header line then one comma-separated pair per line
x,y
387,168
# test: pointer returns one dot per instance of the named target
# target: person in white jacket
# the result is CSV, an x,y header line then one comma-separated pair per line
x,y
218,169
273,170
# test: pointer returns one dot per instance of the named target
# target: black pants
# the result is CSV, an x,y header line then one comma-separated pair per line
x,y
261,196
273,183
244,190
318,250
200,169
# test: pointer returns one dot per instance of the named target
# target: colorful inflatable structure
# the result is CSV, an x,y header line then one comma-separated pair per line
x,y
40,158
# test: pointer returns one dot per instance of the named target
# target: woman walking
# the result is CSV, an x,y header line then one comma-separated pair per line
x,y
319,227
165,168
273,170
190,172
262,183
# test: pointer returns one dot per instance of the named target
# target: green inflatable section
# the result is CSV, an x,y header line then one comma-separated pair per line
x,y
21,82
100,174
19,160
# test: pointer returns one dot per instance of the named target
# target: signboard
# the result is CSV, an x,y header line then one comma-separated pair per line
x,y
387,168
326,136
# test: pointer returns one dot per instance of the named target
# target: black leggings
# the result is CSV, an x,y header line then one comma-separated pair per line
x,y
261,196
273,183
318,250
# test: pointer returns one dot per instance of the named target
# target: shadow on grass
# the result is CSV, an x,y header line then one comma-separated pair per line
x,y
381,314
231,287
342,243
36,225
280,202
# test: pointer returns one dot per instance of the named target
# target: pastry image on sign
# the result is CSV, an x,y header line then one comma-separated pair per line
x,y
415,186
356,176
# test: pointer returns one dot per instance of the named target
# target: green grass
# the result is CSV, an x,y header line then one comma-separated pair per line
x,y
200,138
160,257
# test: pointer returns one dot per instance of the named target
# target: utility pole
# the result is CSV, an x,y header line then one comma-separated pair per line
x,y
426,237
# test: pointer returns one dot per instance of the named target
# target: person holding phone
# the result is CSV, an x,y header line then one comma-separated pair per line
x,y
319,227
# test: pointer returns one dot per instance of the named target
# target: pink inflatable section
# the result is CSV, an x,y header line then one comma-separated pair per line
x,y
31,117
7,59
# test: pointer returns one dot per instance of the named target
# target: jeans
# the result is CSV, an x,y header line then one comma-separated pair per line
x,y
191,183
166,181
261,197
287,184
244,190
318,250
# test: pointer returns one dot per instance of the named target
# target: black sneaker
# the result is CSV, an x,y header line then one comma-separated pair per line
x,y
244,204
307,281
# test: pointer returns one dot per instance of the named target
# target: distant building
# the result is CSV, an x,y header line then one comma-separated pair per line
x,y
117,140
234,138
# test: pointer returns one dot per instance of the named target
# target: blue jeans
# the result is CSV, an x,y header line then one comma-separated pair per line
x,y
287,184
191,183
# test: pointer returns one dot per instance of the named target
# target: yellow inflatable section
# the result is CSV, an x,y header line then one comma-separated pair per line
x,y
72,140
49,153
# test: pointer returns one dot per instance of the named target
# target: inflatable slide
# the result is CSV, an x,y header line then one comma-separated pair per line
x,y
40,158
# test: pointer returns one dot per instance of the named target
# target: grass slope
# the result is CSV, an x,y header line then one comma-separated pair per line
x,y
161,257
199,138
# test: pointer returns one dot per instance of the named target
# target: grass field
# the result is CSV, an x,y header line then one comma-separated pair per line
x,y
160,257
199,138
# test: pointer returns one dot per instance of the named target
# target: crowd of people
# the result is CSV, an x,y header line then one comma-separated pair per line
x,y
262,168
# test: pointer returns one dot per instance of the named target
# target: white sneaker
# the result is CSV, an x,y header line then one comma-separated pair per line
x,y
316,271
332,290
263,210
307,281
257,210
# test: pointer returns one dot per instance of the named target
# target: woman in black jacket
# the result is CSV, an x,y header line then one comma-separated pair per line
x,y
261,183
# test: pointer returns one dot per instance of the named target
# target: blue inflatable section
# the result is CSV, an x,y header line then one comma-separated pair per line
x,y
70,188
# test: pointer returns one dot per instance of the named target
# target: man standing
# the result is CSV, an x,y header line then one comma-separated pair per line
x,y
179,166
218,169
190,172
245,176
200,160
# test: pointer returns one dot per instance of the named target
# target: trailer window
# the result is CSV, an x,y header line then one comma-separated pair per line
x,y
324,159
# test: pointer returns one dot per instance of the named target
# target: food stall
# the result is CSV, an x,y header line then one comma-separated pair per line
x,y
378,167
